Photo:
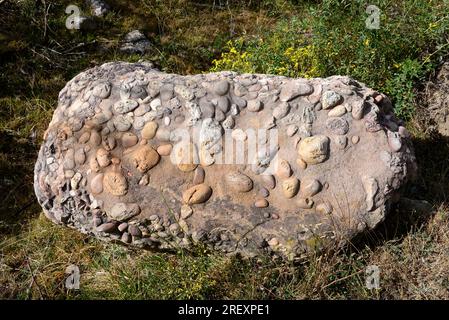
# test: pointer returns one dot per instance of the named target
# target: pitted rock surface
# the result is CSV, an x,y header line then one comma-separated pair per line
x,y
113,164
99,8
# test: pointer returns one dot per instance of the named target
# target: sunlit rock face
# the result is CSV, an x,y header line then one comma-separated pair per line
x,y
242,163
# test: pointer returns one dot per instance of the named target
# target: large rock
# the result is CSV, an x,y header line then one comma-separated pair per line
x,y
241,163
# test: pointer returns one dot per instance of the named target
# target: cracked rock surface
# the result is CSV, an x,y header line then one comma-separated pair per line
x,y
115,162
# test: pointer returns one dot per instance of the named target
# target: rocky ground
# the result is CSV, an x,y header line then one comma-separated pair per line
x,y
39,55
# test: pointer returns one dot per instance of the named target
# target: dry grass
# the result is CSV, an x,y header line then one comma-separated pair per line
x,y
412,266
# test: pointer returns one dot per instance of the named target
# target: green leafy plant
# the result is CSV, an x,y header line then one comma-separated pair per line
x,y
332,38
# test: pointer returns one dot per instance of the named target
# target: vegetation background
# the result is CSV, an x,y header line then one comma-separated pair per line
x,y
38,55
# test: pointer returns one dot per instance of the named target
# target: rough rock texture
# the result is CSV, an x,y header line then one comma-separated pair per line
x,y
135,42
114,163
437,97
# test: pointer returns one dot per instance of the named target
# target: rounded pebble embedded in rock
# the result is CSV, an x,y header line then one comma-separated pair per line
x,y
166,91
164,150
273,242
207,109
120,125
305,203
337,125
239,182
186,157
155,104
126,238
341,141
403,132
324,208
198,176
95,138
269,181
293,89
69,174
219,115
109,143
129,140
228,123
223,104
75,181
93,164
263,192
291,130
239,135
102,90
107,227
314,150
310,187
122,227
115,183
123,211
241,103
254,105
261,203
143,158
221,87
145,180
284,170
126,106
96,185
186,212
84,137
69,160
394,141
358,110
330,99
80,156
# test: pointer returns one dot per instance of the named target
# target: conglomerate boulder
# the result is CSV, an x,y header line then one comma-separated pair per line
x,y
242,163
